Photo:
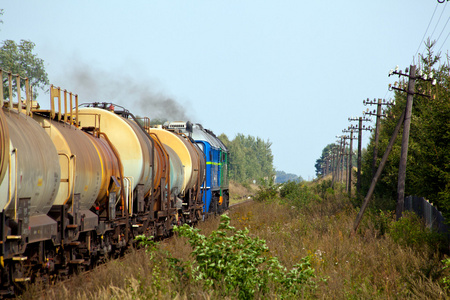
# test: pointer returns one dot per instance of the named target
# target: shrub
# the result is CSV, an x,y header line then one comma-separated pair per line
x,y
410,231
323,188
268,190
240,264
298,193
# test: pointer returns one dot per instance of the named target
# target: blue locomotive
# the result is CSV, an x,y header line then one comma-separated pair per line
x,y
215,188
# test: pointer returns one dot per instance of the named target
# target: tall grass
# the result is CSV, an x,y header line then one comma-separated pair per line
x,y
379,262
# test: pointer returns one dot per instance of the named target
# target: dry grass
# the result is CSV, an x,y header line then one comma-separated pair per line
x,y
365,266
239,192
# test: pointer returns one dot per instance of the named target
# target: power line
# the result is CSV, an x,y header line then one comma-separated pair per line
x,y
444,42
442,30
442,12
429,23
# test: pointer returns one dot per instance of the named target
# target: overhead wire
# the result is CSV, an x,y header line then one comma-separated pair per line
x,y
429,23
444,42
442,45
434,30
443,30
440,16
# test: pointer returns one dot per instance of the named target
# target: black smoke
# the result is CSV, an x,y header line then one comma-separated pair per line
x,y
140,96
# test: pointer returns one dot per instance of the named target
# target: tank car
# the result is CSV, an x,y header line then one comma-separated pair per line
x,y
30,179
189,201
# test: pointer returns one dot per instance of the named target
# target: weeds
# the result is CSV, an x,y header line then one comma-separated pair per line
x,y
241,264
268,190
289,245
411,231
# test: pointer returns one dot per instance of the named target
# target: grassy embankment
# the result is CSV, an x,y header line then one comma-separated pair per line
x,y
384,260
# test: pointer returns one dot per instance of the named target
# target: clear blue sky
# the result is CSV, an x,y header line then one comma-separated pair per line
x,y
290,72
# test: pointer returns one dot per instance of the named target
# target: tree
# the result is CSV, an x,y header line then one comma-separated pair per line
x,y
20,59
284,177
250,158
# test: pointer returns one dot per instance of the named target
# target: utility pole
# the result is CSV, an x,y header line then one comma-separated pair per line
x,y
379,114
412,77
360,128
350,164
345,162
333,163
405,141
378,173
350,161
340,161
344,165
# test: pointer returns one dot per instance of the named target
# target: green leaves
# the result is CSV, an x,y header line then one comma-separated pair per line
x,y
251,158
20,59
241,264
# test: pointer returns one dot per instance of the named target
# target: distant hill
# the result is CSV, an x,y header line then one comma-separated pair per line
x,y
283,177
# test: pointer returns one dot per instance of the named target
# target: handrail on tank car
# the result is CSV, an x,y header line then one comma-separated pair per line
x,y
19,100
55,92
116,153
146,121
96,130
129,194
166,168
10,182
70,188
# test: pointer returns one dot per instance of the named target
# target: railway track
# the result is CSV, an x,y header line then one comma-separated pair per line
x,y
245,202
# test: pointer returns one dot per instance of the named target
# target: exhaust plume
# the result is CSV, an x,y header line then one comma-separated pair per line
x,y
139,96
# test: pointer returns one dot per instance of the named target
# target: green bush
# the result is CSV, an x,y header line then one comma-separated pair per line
x,y
268,190
324,189
411,231
240,265
445,280
298,193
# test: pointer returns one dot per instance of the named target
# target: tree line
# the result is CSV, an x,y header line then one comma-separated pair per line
x,y
250,158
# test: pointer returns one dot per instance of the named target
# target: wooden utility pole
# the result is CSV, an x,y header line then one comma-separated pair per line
x,y
345,162
349,160
333,167
377,133
405,141
379,114
350,164
360,128
378,173
358,175
340,161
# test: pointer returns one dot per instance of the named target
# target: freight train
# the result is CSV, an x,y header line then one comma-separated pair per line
x,y
79,182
